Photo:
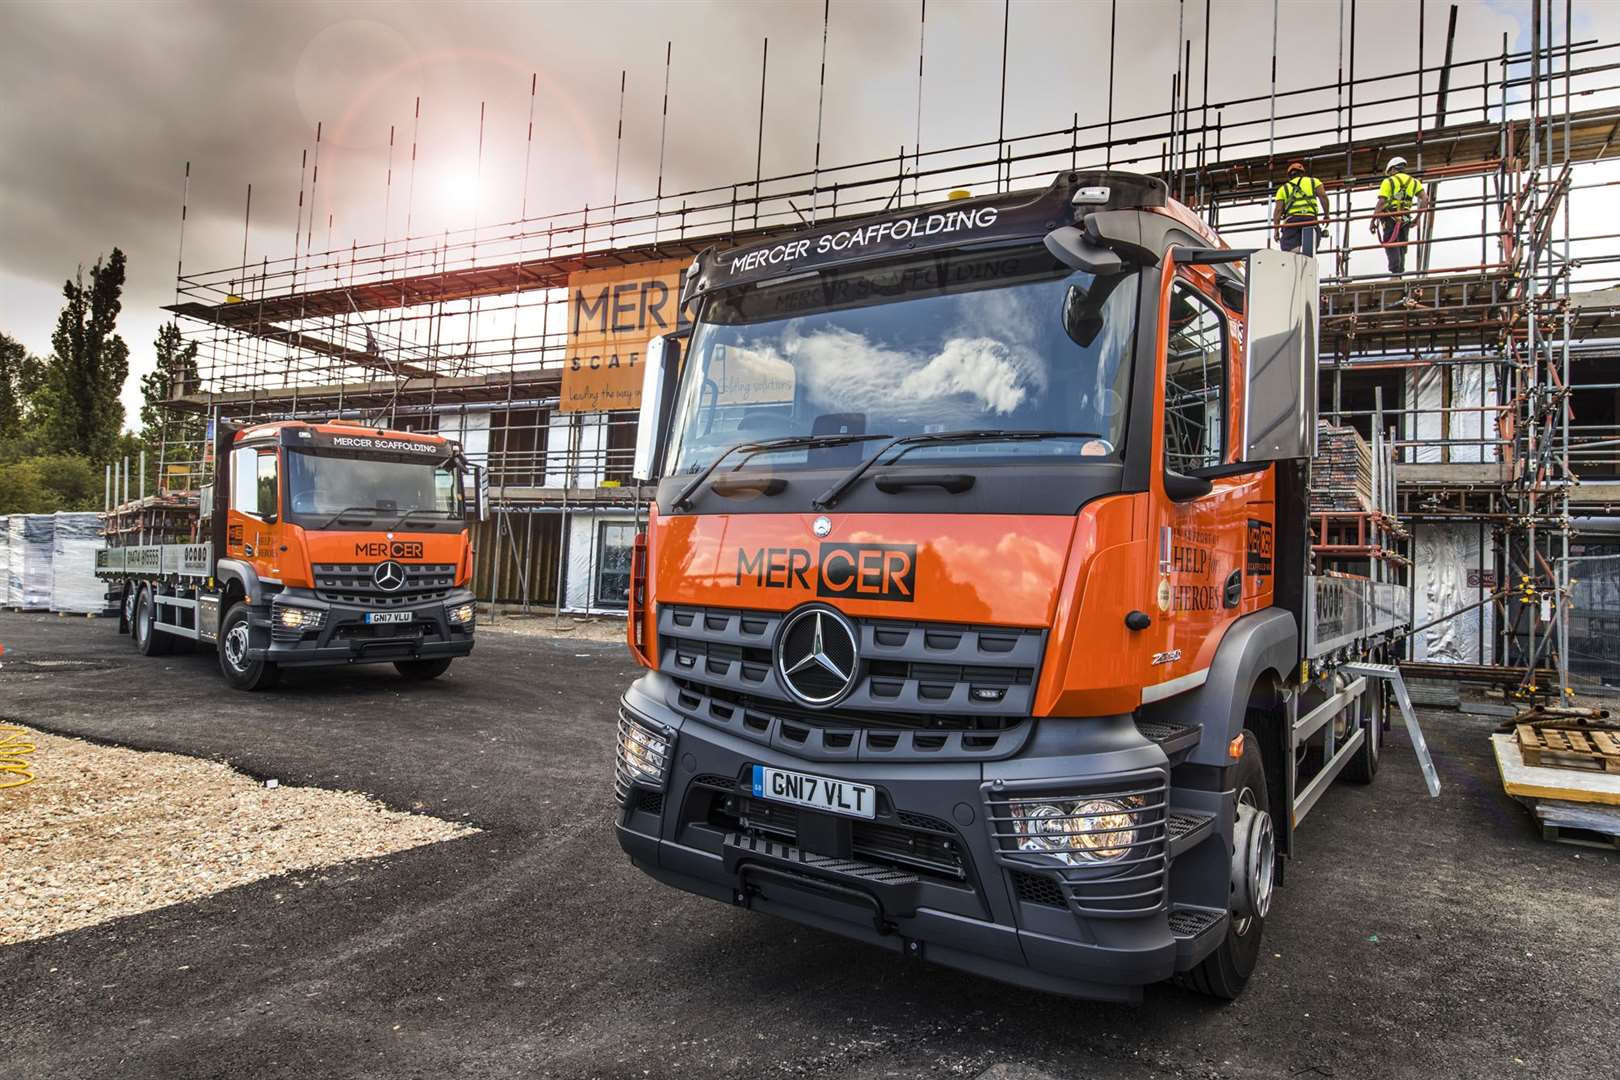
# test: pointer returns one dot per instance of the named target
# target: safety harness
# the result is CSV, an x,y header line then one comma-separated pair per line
x,y
1403,193
1298,199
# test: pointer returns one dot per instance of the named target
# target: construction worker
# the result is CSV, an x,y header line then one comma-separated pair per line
x,y
1298,210
1400,199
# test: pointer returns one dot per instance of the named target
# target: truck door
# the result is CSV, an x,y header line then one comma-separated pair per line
x,y
1199,517
254,508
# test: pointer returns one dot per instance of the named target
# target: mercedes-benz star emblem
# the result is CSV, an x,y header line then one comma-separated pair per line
x,y
817,656
821,526
389,576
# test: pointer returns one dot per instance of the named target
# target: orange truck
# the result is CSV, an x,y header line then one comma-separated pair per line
x,y
975,599
316,544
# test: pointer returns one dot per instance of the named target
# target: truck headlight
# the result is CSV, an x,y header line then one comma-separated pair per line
x,y
297,618
462,614
643,755
1090,831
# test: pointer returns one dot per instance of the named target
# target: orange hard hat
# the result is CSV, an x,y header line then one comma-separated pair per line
x,y
1296,166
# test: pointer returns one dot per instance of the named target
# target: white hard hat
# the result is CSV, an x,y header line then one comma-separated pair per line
x,y
1395,163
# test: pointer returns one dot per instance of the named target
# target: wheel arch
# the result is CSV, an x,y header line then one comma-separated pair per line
x,y
1250,667
237,581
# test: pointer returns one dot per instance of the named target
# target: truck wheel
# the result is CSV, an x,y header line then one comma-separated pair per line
x,y
1364,765
148,638
1225,972
126,610
422,670
239,671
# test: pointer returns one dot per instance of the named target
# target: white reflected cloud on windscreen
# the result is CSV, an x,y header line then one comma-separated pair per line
x,y
845,371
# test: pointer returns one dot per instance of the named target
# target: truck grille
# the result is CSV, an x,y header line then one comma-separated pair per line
x,y
931,850
352,584
1125,885
926,670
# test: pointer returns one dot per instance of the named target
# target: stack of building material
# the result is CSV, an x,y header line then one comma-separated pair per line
x,y
5,560
28,581
1341,472
74,587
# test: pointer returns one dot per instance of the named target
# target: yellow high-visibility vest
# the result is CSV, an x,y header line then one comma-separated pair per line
x,y
1299,195
1400,191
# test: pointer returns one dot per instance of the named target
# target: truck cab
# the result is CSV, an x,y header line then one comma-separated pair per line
x,y
973,590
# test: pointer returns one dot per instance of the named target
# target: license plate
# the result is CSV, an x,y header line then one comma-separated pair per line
x,y
387,616
815,792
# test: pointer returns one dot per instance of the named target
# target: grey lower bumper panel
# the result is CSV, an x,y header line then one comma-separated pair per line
x,y
988,949
704,834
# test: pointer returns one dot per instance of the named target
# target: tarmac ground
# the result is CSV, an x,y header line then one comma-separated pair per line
x,y
1414,937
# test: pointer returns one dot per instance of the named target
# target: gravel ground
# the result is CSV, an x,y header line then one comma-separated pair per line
x,y
104,832
1414,937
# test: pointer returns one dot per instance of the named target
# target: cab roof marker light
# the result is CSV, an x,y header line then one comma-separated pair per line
x,y
1091,196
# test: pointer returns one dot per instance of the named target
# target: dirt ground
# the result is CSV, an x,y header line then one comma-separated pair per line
x,y
1413,938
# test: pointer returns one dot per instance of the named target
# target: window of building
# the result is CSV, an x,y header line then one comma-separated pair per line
x,y
1195,382
615,540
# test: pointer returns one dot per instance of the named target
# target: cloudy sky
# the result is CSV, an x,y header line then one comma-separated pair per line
x,y
104,103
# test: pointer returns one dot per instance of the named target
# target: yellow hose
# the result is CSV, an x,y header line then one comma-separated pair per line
x,y
15,744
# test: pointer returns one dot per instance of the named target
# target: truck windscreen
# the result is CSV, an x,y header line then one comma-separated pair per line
x,y
1001,340
329,485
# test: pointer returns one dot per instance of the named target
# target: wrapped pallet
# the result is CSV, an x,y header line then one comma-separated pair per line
x,y
74,587
11,582
32,536
5,560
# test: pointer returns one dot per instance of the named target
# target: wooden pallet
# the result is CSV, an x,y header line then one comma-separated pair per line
x,y
1569,748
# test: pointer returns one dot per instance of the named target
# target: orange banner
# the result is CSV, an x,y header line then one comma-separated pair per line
x,y
612,315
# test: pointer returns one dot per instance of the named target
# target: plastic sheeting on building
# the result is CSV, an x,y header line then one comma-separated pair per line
x,y
5,560
28,579
1451,569
1427,393
74,587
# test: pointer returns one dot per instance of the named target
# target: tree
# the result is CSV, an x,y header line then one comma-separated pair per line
x,y
167,434
41,485
20,376
79,404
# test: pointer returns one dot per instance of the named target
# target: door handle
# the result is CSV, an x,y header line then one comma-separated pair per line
x,y
1234,588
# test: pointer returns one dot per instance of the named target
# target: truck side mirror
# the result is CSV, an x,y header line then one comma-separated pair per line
x,y
1279,357
663,368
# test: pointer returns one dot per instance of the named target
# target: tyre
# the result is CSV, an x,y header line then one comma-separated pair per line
x,y
148,638
1363,767
1224,972
126,610
234,637
422,670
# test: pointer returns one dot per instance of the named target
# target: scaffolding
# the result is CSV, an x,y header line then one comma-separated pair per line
x,y
1489,349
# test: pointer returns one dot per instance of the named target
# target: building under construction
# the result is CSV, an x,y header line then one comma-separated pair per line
x,y
1480,384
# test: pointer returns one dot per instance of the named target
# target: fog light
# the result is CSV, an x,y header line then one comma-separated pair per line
x,y
1093,831
643,756
462,614
294,618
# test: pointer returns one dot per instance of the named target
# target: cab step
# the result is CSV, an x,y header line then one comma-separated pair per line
x,y
1189,925
1185,829
1173,739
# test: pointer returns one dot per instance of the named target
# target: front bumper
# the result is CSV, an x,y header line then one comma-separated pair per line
x,y
927,878
344,636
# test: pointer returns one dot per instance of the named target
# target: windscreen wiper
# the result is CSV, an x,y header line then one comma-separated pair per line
x,y
406,516
329,522
792,442
831,496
